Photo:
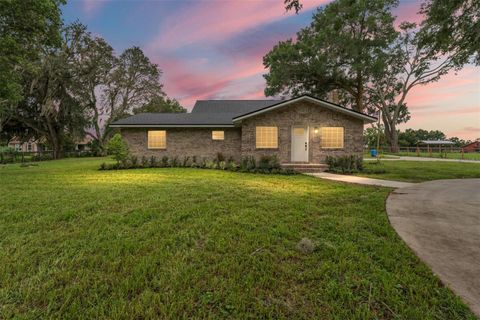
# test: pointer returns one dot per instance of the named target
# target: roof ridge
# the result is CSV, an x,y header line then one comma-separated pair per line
x,y
239,100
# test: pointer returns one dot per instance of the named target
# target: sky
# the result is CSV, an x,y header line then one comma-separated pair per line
x,y
213,49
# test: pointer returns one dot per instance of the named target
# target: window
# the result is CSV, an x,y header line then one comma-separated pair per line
x,y
218,135
157,139
29,147
266,137
18,147
332,137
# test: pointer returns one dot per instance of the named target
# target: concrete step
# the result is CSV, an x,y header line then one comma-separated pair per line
x,y
306,167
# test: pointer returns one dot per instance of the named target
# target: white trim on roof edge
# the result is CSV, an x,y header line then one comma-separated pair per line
x,y
172,126
321,102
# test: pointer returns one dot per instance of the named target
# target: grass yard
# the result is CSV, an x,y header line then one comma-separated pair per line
x,y
449,155
418,171
76,242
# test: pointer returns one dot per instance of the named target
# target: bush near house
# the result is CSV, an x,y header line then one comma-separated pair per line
x,y
344,164
266,164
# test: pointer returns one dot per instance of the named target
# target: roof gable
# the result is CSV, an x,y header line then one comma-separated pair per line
x,y
323,103
236,107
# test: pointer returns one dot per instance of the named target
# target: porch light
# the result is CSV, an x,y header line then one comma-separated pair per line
x,y
315,130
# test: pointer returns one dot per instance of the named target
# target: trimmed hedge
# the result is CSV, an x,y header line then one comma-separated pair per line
x,y
266,164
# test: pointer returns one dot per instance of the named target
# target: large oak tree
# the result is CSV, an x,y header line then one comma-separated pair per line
x,y
341,49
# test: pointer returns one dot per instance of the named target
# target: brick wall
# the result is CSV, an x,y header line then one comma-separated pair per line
x,y
182,142
307,114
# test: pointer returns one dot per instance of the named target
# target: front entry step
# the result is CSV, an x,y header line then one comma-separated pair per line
x,y
306,167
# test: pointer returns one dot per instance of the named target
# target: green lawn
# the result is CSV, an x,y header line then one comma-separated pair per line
x,y
418,171
449,155
76,242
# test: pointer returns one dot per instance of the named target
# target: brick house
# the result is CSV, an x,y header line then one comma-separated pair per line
x,y
300,130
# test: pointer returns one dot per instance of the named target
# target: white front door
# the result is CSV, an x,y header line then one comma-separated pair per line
x,y
299,144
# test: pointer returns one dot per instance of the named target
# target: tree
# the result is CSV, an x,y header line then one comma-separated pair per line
x,y
410,64
92,66
452,27
459,142
342,48
118,148
162,105
48,109
410,137
26,27
371,135
133,82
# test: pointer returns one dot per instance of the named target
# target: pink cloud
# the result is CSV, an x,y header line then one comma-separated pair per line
x,y
203,23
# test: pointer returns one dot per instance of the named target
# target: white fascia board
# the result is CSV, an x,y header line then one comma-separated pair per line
x,y
311,99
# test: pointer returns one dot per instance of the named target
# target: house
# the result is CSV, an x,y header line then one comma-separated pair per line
x,y
300,130
21,146
472,147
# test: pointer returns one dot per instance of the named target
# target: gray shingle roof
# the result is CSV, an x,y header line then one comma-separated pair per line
x,y
205,112
237,107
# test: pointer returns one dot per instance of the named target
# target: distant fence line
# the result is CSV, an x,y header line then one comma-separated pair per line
x,y
34,156
420,149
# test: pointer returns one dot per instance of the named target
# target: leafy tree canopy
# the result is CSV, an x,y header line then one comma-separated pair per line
x,y
26,28
342,48
453,28
160,104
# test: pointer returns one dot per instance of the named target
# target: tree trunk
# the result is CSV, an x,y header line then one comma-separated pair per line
x,y
390,132
394,141
55,140
360,92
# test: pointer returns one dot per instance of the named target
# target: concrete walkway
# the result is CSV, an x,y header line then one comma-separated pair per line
x,y
422,159
440,221
361,180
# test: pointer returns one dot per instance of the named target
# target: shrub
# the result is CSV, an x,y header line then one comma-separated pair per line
x,y
118,148
232,166
344,164
264,163
164,161
134,161
220,157
222,165
210,164
248,163
185,162
153,161
174,162
144,162
194,163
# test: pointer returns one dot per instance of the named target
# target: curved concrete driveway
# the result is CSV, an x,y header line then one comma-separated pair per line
x,y
440,221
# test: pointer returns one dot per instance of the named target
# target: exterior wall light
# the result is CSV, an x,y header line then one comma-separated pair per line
x,y
315,130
